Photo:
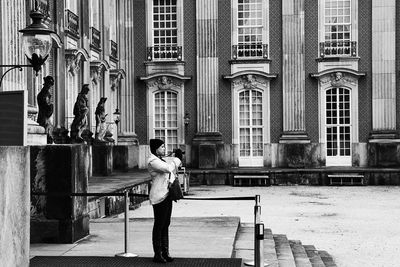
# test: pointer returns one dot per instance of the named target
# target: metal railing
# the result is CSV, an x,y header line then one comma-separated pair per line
x,y
114,49
164,52
72,22
95,38
250,51
338,49
258,226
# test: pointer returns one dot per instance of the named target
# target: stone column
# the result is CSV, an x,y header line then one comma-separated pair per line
x,y
14,205
293,72
126,134
383,69
208,136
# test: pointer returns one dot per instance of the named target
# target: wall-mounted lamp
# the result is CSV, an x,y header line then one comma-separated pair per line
x,y
186,119
117,116
36,42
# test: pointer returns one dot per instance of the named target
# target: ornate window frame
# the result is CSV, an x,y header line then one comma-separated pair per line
x,y
149,29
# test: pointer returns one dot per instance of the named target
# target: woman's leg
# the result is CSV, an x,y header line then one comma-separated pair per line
x,y
160,218
165,233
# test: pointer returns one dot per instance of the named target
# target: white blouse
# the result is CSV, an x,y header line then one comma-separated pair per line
x,y
161,173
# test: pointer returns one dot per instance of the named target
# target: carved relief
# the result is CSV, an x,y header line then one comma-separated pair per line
x,y
164,83
96,73
338,79
73,62
249,81
115,79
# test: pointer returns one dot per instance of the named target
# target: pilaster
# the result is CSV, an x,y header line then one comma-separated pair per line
x,y
293,72
383,70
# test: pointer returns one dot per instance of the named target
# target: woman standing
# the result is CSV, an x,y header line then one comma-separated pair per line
x,y
162,174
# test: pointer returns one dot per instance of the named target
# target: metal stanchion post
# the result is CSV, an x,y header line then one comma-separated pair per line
x,y
257,220
126,228
259,248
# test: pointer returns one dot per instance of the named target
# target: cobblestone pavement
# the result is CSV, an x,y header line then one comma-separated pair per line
x,y
357,225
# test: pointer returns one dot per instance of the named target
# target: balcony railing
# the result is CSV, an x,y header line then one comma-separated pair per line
x,y
95,38
338,49
250,51
72,22
114,49
164,53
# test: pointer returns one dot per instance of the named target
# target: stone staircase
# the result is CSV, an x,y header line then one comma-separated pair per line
x,y
278,250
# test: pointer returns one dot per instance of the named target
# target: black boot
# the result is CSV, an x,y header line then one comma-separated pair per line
x,y
158,257
164,248
166,255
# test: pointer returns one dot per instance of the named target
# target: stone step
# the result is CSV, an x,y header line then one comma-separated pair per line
x,y
244,245
251,180
326,258
300,256
346,179
314,256
284,251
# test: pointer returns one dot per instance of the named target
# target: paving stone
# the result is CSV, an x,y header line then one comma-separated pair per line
x,y
314,257
300,256
283,251
326,258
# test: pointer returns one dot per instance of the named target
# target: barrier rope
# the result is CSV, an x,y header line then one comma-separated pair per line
x,y
66,194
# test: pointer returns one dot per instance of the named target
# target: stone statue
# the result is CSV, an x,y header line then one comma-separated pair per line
x,y
101,115
81,109
46,108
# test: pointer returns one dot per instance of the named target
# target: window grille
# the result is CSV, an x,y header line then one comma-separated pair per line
x,y
338,29
165,30
250,26
166,119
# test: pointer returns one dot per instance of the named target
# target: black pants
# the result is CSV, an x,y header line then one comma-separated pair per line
x,y
162,220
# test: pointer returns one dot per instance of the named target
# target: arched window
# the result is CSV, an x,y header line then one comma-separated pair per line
x,y
338,126
166,118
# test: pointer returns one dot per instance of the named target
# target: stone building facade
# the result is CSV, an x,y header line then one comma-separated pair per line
x,y
234,83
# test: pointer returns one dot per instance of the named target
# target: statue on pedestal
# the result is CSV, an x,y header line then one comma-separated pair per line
x,y
101,115
81,109
46,108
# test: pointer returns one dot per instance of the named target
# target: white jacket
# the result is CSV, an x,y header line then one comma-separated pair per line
x,y
160,177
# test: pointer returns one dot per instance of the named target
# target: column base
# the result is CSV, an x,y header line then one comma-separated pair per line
x,y
36,135
384,137
127,139
294,138
206,149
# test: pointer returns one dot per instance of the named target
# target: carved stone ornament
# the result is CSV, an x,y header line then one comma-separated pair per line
x,y
115,78
249,81
338,79
73,62
96,73
164,83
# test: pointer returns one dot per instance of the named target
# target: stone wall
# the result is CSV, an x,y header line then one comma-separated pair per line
x,y
14,206
59,169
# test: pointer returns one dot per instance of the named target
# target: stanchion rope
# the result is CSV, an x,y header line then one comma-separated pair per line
x,y
65,194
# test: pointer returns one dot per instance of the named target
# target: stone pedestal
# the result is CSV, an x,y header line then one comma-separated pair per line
x,y
59,169
384,154
14,206
36,134
125,157
206,149
102,159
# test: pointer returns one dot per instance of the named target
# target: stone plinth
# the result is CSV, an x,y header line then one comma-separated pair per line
x,y
102,159
385,154
125,157
59,169
207,150
14,206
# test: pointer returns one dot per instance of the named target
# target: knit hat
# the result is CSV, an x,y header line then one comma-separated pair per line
x,y
154,144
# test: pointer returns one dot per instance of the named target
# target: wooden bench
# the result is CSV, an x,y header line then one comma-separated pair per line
x,y
346,179
256,180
